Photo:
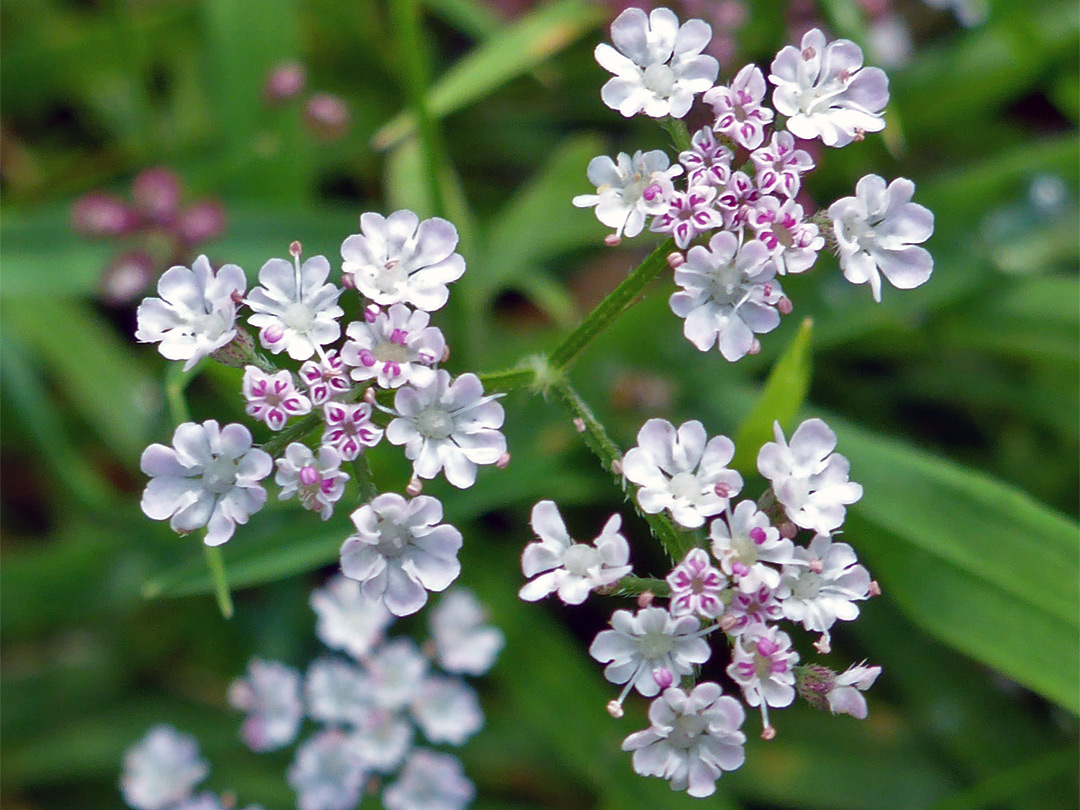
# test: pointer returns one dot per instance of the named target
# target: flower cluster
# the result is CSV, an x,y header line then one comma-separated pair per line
x,y
738,214
752,576
372,702
210,476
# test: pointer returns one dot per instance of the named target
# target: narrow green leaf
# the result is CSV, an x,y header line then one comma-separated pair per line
x,y
503,57
1013,781
780,400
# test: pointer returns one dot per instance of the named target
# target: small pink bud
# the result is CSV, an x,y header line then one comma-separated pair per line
x,y
272,334
285,81
860,135
809,53
126,277
875,589
728,622
201,221
369,395
612,240
675,260
414,487
645,599
788,530
758,535
768,733
98,215
503,462
295,249
309,476
755,347
327,117
236,297
816,565
157,194
784,305
651,192
579,424
371,312
663,677
616,467
615,709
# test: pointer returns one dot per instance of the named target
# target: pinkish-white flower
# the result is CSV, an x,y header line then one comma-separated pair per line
x,y
707,162
560,565
793,243
763,664
315,478
779,165
394,348
824,587
349,428
747,610
736,200
748,545
738,108
295,308
696,585
629,188
336,692
273,398
326,377
270,697
689,213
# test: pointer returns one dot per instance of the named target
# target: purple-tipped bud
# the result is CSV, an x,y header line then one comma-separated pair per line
x,y
285,81
757,534
202,221
612,240
309,476
273,333
126,277
100,216
875,588
755,347
371,312
722,490
675,260
663,677
503,462
813,683
651,192
157,194
348,281
327,117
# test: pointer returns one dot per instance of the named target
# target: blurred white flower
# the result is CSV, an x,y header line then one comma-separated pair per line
x,y
446,710
270,697
161,769
464,641
429,781
327,772
336,692
347,619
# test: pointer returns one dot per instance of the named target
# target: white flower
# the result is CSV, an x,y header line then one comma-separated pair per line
x,y
629,188
196,313
825,587
707,162
754,609
691,740
448,426
845,697
809,479
270,696
638,644
336,692
827,92
327,772
347,619
745,542
349,428
399,259
273,398
315,479
429,781
325,378
395,674
688,214
395,348
447,710
696,585
209,477
464,642
736,200
382,739
779,166
762,663
729,294
161,769
658,66
793,243
878,230
295,309
569,568
738,109
398,553
678,471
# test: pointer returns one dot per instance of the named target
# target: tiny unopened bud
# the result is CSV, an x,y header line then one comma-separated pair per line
x,y
201,221
445,353
645,599
369,395
768,733
99,216
157,194
126,277
616,466
824,644
504,461
579,424
788,530
675,260
285,81
414,487
615,709
295,249
309,476
784,305
612,240
272,334
875,588
327,116
813,682
348,281
816,565
238,352
663,677
755,347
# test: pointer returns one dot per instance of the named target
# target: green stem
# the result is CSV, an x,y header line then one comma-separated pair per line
x,y
675,542
176,383
362,472
632,586
609,310
221,584
508,379
680,135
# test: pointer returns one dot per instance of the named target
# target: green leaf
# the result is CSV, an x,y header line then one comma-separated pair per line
x,y
780,400
503,57
977,563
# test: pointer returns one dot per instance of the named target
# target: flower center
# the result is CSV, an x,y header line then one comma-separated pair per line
x,y
745,549
391,352
783,235
655,645
212,325
219,476
392,539
686,731
579,558
660,79
435,423
390,276
298,317
808,586
685,485
726,283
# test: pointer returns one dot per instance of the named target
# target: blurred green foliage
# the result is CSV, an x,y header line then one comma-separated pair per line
x,y
956,403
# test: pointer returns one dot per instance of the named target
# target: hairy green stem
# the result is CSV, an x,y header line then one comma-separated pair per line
x,y
362,472
680,135
221,584
632,586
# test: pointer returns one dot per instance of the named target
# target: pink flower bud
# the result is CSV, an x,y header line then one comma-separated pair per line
x,y
414,487
788,530
616,467
784,305
327,117
757,534
611,240
295,249
816,565
285,81
503,462
579,424
348,281
98,215
272,334
663,677
309,476
201,222
755,347
823,644
615,709
157,194
768,733
445,353
127,276
875,588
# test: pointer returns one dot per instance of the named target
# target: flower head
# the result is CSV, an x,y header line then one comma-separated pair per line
x,y
464,641
748,610
209,477
689,213
270,696
161,769
429,781
448,426
707,162
682,470
877,233
399,259
396,671
295,309
325,378
571,569
316,479
447,710
273,398
395,348
763,665
826,91
658,64
348,619
196,313
336,692
327,772
692,738
629,188
400,551
793,243
780,165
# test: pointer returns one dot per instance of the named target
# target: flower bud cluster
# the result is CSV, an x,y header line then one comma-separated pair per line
x,y
733,202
